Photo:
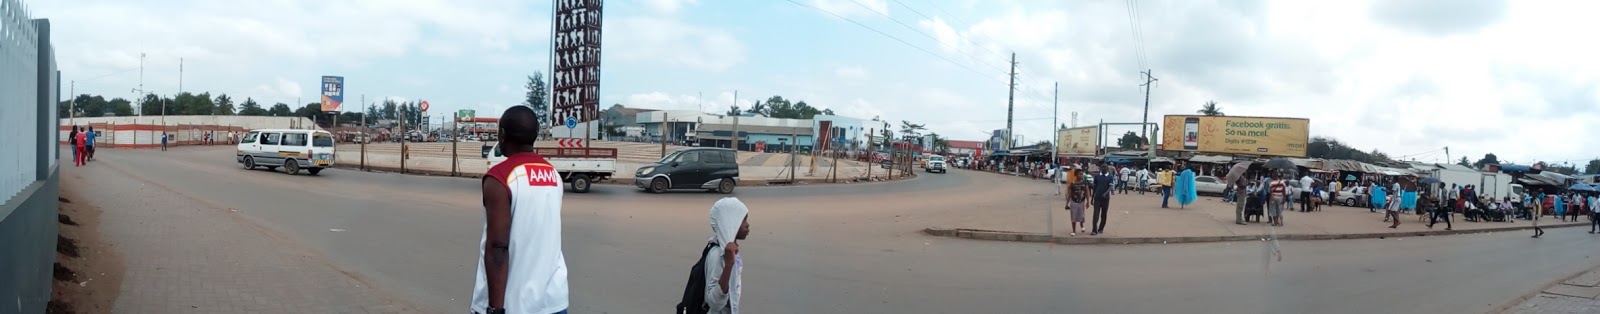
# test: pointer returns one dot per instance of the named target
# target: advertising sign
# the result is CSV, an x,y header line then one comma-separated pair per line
x,y
467,114
575,76
1078,141
332,93
1263,136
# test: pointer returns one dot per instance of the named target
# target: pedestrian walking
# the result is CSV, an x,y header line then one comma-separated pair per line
x,y
1594,215
88,146
1538,209
79,154
1144,179
1077,199
1393,209
730,223
521,268
1439,212
72,143
1165,179
1102,199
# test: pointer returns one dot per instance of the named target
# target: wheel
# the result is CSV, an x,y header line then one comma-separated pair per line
x,y
291,167
658,185
726,186
249,163
580,183
1350,202
314,171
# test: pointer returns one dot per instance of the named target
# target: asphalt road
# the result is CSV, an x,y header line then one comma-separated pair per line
x,y
855,248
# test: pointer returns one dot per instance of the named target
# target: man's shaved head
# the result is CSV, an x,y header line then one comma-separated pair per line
x,y
519,126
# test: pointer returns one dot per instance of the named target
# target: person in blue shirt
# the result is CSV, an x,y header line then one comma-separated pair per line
x,y
88,144
163,141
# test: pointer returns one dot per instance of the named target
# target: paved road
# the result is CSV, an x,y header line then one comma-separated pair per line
x,y
855,248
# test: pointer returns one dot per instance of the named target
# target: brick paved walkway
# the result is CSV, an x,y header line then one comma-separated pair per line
x,y
185,256
1578,295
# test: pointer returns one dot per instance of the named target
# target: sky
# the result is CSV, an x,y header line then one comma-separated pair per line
x,y
1513,78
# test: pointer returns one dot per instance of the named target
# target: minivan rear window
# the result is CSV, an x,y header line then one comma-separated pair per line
x,y
322,140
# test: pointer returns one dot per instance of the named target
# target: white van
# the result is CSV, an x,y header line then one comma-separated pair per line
x,y
293,150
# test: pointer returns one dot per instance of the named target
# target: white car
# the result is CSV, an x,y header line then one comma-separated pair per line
x,y
1208,185
934,163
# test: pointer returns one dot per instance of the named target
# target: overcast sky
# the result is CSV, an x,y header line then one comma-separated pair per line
x,y
1517,79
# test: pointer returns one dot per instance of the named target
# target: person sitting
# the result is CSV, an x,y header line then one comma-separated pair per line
x,y
1494,213
1473,213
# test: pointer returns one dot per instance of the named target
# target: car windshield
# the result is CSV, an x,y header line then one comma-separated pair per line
x,y
936,158
668,157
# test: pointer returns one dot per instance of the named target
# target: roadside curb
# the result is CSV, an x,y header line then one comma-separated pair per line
x,y
1013,236
1509,306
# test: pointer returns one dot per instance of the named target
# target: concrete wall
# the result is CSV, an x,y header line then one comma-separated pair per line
x,y
29,91
246,122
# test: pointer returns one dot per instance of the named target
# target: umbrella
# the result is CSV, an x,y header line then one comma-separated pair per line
x,y
1349,177
1280,163
1237,172
1430,180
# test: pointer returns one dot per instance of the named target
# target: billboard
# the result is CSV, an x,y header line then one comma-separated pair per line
x,y
575,77
332,93
1263,136
1082,141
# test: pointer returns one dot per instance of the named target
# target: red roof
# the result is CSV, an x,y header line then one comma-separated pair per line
x,y
975,145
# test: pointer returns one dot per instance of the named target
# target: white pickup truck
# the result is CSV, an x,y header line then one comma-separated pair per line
x,y
579,167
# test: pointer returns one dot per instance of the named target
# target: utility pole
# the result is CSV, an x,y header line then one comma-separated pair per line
x,y
366,136
1011,101
871,152
663,133
794,147
141,84
180,76
1055,147
73,108
735,140
1149,81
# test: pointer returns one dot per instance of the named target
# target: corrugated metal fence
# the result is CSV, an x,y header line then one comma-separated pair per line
x,y
29,90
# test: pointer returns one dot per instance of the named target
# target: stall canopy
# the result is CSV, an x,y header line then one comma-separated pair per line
x,y
1211,159
1581,187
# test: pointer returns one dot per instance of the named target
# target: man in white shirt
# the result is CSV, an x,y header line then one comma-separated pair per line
x,y
520,266
1144,179
1305,192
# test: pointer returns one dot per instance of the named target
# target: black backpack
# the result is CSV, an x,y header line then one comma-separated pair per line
x,y
694,292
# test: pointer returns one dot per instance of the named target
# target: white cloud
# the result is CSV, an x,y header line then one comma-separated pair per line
x,y
853,8
851,72
656,40
668,6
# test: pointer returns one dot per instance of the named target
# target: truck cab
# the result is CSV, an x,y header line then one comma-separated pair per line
x,y
579,167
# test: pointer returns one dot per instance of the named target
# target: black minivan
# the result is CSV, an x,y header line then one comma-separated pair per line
x,y
709,168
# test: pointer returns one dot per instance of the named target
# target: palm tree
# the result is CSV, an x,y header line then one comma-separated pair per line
x,y
1210,109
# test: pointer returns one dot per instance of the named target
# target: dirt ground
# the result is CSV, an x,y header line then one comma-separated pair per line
x,y
88,271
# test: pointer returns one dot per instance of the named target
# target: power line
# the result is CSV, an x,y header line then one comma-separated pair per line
x,y
902,41
1136,33
958,33
925,34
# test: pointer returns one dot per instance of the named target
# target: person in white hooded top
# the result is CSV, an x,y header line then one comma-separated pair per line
x,y
729,223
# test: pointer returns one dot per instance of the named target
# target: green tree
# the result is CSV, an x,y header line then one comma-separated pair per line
x,y
538,96
1130,140
1592,167
1488,159
911,130
759,108
940,144
390,110
310,111
1210,109
280,110
1464,162
251,108
1329,148
733,110
120,107
224,105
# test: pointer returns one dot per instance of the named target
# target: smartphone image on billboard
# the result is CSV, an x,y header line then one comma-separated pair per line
x,y
1191,133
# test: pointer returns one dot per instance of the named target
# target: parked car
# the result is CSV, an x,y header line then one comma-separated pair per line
x,y
293,150
710,168
1354,196
1209,185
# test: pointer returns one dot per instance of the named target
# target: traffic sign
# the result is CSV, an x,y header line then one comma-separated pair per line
x,y
572,123
569,142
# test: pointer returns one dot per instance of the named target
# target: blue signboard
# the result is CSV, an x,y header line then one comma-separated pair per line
x,y
572,122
